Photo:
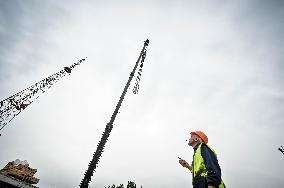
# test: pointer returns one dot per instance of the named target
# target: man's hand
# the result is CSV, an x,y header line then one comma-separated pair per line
x,y
185,164
210,186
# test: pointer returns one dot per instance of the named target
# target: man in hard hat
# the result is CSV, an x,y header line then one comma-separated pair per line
x,y
205,169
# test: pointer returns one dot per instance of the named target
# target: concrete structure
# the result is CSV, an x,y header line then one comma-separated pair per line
x,y
11,182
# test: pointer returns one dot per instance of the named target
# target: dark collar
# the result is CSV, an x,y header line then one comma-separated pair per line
x,y
195,148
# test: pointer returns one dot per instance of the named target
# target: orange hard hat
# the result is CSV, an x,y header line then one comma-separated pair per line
x,y
201,135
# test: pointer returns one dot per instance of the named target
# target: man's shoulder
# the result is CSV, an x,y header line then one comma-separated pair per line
x,y
207,149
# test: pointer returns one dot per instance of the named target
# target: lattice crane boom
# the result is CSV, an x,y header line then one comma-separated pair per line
x,y
12,106
100,147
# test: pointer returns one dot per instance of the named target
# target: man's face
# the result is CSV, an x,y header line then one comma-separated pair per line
x,y
193,139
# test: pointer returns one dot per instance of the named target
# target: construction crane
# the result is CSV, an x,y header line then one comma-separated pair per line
x,y
100,147
12,106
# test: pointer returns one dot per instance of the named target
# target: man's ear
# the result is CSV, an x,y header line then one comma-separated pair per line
x,y
198,139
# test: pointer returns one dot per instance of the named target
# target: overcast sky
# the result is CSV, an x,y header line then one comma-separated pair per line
x,y
215,66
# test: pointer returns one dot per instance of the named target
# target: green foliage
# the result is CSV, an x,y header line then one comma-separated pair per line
x,y
129,185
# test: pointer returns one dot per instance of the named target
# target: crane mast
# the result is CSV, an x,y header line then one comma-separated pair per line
x,y
12,106
100,147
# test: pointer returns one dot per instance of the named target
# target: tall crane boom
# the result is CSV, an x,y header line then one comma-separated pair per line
x,y
100,147
12,106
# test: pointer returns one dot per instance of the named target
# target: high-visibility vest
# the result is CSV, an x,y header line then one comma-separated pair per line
x,y
199,167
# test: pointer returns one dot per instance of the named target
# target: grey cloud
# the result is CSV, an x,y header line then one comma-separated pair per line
x,y
24,26
262,24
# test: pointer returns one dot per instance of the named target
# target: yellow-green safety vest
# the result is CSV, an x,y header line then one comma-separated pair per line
x,y
198,165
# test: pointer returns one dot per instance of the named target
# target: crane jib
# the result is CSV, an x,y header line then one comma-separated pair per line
x,y
100,147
